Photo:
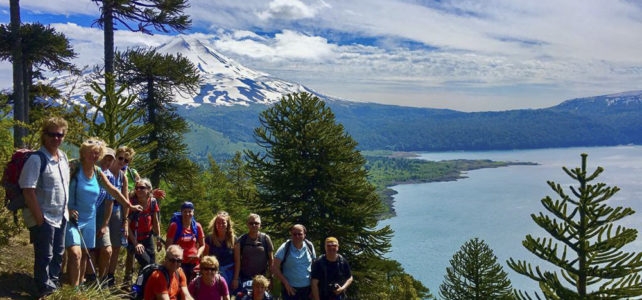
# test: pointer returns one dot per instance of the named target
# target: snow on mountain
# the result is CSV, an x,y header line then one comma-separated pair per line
x,y
223,80
620,100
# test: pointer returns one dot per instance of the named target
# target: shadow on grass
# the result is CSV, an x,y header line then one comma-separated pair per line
x,y
16,286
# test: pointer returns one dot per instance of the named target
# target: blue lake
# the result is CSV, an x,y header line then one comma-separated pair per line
x,y
434,219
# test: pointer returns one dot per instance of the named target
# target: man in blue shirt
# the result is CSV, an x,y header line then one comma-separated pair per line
x,y
293,264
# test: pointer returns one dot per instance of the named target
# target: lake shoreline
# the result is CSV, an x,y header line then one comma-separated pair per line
x,y
387,193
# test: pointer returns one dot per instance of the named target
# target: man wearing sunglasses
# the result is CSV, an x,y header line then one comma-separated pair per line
x,y
157,286
46,196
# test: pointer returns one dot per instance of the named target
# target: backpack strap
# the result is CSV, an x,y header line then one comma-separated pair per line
x,y
263,240
287,251
43,161
310,248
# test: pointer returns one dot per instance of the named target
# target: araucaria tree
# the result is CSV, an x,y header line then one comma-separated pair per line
x,y
139,15
156,78
116,119
585,245
474,274
309,172
41,48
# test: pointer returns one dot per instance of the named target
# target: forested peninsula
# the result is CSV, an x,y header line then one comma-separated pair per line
x,y
387,168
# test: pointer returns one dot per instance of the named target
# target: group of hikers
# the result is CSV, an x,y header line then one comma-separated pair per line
x,y
85,207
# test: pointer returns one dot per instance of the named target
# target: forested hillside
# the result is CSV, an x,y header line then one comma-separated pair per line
x,y
596,121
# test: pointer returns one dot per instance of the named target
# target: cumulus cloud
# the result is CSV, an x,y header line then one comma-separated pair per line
x,y
287,10
287,45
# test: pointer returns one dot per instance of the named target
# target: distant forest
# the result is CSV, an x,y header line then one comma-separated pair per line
x,y
396,128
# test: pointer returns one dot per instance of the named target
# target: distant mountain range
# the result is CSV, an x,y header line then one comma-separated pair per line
x,y
225,112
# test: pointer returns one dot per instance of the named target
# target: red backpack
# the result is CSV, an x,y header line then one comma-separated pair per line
x,y
14,200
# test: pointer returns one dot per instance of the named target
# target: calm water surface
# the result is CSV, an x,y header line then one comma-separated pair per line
x,y
435,219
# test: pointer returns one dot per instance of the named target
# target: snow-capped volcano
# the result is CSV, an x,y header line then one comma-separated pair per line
x,y
223,80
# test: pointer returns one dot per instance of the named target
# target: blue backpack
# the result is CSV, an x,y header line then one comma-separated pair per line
x,y
177,218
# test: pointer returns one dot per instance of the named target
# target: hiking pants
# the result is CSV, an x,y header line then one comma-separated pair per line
x,y
149,255
302,293
48,247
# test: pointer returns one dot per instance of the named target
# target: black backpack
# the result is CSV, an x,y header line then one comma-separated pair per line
x,y
309,245
138,289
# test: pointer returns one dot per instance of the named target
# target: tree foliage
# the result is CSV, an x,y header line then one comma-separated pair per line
x,y
139,15
474,274
112,116
40,48
309,172
157,78
585,245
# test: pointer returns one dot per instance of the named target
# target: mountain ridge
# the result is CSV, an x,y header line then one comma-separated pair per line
x,y
231,96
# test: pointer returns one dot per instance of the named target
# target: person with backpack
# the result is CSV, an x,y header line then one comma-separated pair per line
x,y
44,179
293,264
209,285
253,253
168,280
84,187
105,204
221,243
331,274
144,225
118,231
188,234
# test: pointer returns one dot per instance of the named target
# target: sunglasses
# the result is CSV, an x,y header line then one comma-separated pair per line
x,y
254,223
55,134
209,269
175,260
141,188
123,159
94,142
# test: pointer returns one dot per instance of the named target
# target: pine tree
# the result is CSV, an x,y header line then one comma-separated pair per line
x,y
42,48
156,78
112,116
19,101
474,274
139,16
309,172
589,253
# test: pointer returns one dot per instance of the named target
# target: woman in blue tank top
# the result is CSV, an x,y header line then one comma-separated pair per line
x,y
84,188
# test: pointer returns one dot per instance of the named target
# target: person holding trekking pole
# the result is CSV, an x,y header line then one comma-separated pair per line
x,y
84,188
46,193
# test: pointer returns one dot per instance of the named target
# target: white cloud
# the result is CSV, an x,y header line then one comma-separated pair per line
x,y
288,45
287,10
88,42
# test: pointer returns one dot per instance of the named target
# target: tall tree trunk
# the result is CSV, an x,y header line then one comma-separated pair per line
x,y
109,35
152,111
26,85
18,89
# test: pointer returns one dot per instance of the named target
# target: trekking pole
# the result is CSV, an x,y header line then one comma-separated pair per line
x,y
82,241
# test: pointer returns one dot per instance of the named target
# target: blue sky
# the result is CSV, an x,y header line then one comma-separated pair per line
x,y
469,55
